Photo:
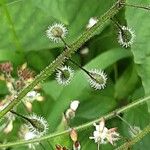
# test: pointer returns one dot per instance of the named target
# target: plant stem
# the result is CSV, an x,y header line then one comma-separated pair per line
x,y
136,6
19,115
65,43
117,24
65,54
86,71
132,130
98,146
81,127
139,136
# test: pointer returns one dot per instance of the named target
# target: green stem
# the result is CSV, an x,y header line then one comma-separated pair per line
x,y
136,6
139,136
66,54
131,128
86,71
98,146
81,127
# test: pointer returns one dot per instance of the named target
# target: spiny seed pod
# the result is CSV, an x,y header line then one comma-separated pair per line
x,y
64,75
97,79
56,31
126,37
38,125
6,67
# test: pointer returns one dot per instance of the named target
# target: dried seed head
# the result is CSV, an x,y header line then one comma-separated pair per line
x,y
56,32
126,37
6,67
97,79
25,73
64,75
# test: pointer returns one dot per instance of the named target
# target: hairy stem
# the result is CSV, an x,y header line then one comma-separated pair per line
x,y
81,127
66,54
136,6
139,136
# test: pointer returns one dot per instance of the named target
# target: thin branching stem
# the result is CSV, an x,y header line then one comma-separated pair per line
x,y
81,127
136,6
136,139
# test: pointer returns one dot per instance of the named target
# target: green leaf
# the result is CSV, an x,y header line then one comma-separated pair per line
x,y
11,55
127,83
138,20
30,20
139,117
79,91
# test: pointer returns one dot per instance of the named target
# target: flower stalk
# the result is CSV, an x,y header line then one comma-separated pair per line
x,y
83,126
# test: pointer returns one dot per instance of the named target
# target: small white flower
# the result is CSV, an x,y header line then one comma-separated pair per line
x,y
37,125
102,135
126,37
56,31
97,79
74,105
92,22
29,135
26,134
134,130
30,98
64,75
8,119
99,135
32,95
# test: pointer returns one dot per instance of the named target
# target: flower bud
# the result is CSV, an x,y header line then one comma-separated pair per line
x,y
73,135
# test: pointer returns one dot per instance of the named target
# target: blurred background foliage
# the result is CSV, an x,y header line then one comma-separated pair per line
x,y
22,39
